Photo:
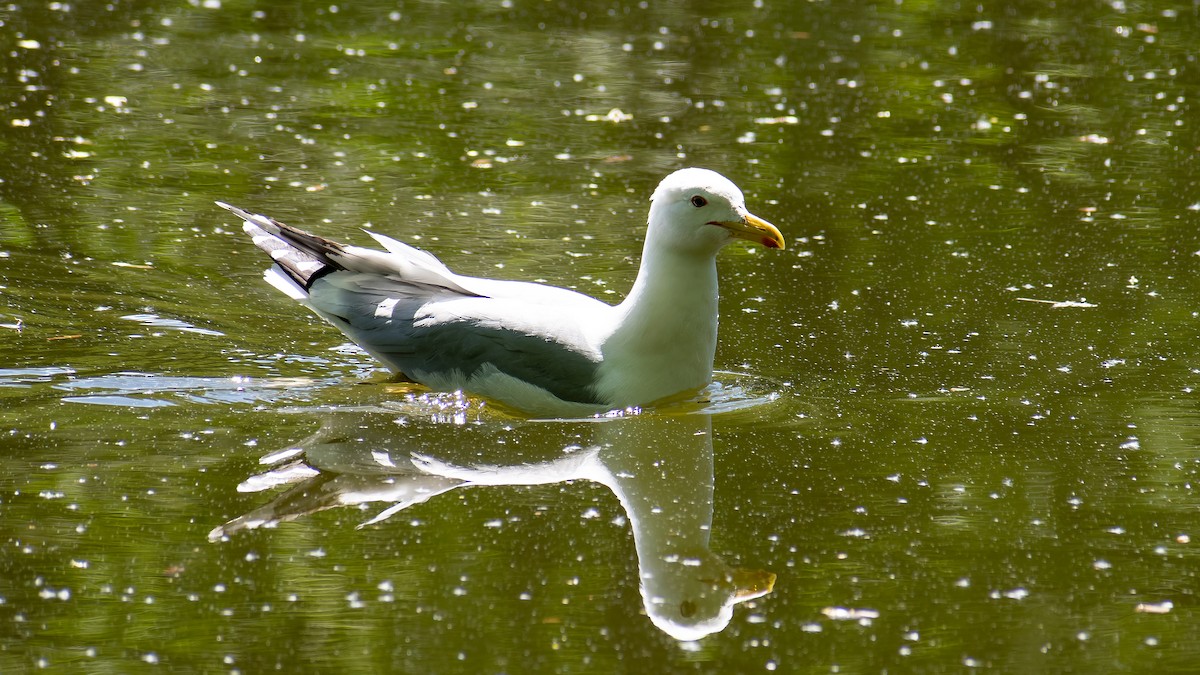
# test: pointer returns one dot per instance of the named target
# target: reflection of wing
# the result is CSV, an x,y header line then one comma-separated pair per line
x,y
320,491
659,468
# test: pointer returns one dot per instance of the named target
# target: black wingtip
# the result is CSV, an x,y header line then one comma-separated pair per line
x,y
242,213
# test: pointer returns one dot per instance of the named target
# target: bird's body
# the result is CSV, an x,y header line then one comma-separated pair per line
x,y
539,349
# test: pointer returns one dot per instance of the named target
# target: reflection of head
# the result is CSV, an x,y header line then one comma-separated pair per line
x,y
661,470
689,597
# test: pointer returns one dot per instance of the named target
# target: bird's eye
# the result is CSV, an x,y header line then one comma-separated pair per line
x,y
699,201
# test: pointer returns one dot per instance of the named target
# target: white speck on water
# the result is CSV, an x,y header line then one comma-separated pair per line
x,y
1163,607
849,614
1014,594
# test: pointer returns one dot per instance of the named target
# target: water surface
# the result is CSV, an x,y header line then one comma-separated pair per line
x,y
957,422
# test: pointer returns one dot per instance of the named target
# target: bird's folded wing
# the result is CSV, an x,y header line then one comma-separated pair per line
x,y
448,338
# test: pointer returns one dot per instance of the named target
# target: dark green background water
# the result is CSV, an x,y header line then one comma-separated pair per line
x,y
997,482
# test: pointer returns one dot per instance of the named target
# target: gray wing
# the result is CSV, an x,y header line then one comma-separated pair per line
x,y
451,337
416,316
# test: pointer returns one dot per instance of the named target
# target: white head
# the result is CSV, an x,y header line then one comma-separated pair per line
x,y
699,211
692,595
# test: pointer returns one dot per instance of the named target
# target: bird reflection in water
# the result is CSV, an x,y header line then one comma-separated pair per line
x,y
660,467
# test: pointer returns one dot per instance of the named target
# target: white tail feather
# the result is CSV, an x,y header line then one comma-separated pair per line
x,y
284,283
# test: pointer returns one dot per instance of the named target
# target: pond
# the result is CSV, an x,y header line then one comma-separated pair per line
x,y
954,425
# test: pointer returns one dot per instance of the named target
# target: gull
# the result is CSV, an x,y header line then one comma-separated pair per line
x,y
538,349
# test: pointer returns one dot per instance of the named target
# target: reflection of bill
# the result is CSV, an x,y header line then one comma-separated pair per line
x,y
659,467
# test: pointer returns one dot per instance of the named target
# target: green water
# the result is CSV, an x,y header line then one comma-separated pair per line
x,y
958,415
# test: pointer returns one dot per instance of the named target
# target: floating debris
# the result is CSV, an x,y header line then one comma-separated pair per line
x,y
1058,304
849,614
615,116
786,119
1014,594
156,321
1163,607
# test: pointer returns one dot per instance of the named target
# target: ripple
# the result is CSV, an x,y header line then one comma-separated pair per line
x,y
157,321
149,390
731,394
24,377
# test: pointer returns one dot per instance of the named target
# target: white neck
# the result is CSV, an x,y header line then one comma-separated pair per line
x,y
674,284
667,332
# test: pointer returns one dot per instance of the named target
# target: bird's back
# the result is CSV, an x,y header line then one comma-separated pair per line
x,y
493,337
